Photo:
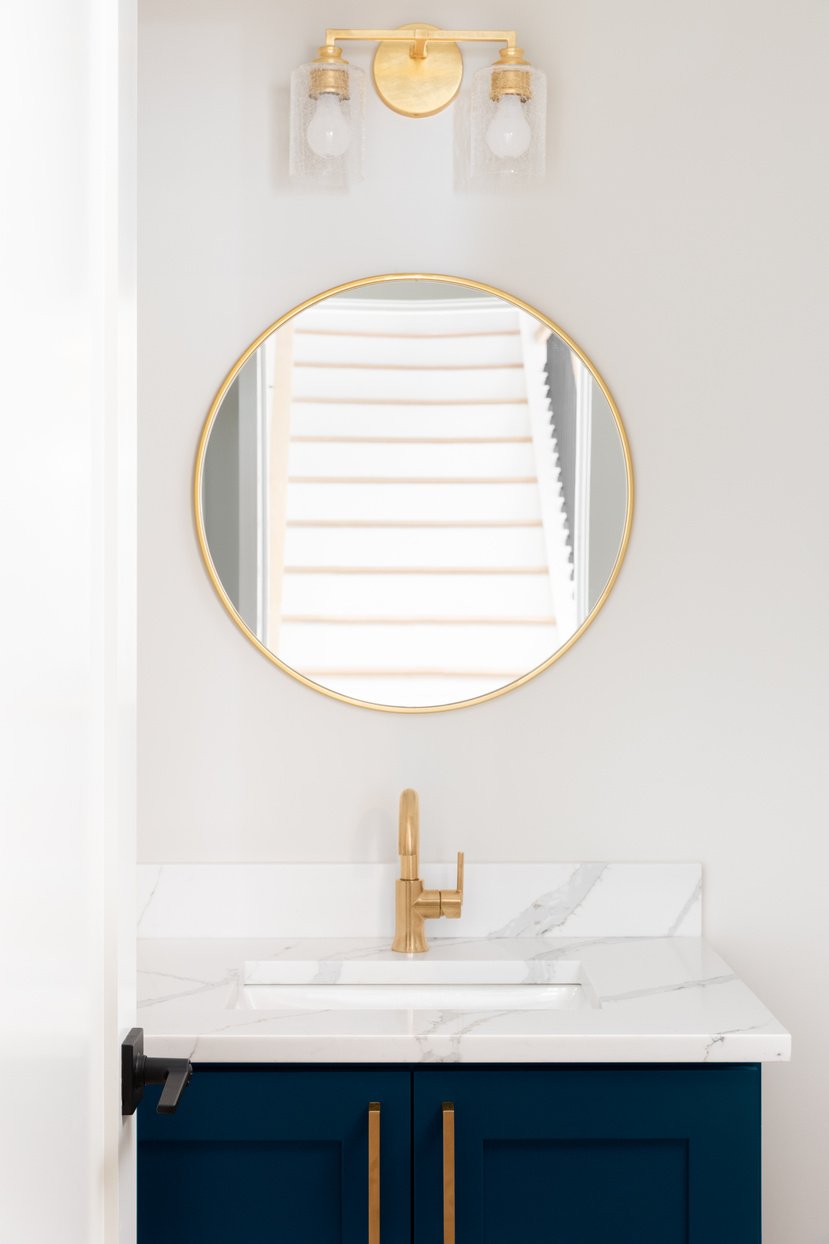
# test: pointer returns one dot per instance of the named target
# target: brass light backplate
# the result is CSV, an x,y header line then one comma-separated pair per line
x,y
417,86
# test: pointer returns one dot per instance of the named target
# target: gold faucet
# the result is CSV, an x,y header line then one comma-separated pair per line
x,y
412,904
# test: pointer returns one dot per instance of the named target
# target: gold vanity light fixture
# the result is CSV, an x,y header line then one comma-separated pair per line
x,y
417,72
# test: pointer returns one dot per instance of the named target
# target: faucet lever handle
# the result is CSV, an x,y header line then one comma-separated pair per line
x,y
451,901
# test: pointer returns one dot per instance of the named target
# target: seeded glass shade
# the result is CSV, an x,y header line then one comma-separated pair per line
x,y
507,126
327,107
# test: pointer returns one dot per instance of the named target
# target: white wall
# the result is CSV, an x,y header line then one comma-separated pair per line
x,y
67,648
680,239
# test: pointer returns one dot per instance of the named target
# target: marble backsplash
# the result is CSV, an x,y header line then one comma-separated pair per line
x,y
584,900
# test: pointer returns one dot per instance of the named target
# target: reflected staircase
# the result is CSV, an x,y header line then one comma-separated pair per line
x,y
416,544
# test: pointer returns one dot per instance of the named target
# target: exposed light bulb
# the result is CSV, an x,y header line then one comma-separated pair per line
x,y
508,133
329,132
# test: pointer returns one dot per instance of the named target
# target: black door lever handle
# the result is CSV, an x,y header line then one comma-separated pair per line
x,y
174,1073
137,1070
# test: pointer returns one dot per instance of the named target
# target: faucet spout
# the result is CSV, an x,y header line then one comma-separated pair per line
x,y
414,905
408,835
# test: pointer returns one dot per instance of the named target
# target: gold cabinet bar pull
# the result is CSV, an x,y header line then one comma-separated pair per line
x,y
448,1172
374,1172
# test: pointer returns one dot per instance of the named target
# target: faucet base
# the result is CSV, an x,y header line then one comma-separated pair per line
x,y
410,944
412,906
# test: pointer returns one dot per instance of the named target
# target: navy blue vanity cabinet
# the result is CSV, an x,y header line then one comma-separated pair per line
x,y
273,1156
562,1154
589,1155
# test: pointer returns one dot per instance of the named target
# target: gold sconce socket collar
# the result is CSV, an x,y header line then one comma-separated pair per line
x,y
508,76
329,74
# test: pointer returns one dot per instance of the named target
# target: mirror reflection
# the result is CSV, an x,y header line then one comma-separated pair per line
x,y
413,492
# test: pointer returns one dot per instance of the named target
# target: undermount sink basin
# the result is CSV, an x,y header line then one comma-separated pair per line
x,y
415,997
408,983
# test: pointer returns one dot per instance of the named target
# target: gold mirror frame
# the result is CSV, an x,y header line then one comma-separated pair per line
x,y
199,471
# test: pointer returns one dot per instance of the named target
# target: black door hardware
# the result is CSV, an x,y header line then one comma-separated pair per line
x,y
137,1070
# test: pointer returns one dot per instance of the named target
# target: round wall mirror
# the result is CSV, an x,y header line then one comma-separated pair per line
x,y
413,492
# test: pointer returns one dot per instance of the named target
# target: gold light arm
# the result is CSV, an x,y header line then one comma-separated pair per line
x,y
448,1111
420,38
417,68
374,1172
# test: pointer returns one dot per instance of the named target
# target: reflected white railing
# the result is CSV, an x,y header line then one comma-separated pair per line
x,y
534,338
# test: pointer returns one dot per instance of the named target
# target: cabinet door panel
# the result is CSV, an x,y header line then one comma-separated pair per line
x,y
276,1156
567,1155
630,1192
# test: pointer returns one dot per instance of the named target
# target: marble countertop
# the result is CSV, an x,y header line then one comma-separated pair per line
x,y
630,999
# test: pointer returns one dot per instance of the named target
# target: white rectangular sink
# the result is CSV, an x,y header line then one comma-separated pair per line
x,y
480,964
401,997
392,982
